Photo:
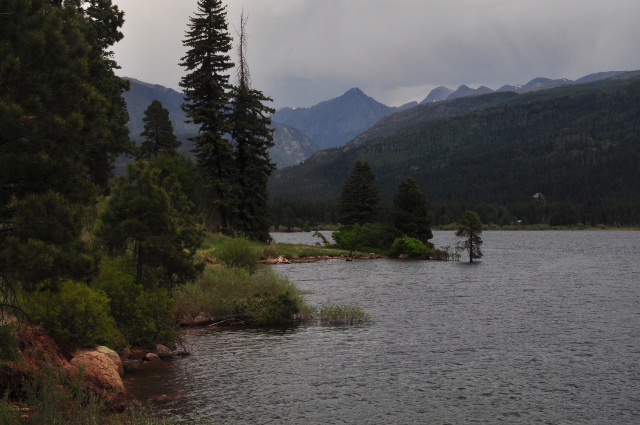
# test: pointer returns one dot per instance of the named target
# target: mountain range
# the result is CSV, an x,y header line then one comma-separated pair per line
x,y
291,145
572,142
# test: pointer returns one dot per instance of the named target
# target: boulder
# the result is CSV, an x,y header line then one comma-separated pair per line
x,y
113,356
137,353
150,357
163,352
403,256
100,376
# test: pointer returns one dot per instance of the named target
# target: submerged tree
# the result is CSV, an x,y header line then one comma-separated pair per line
x,y
206,88
158,132
410,214
469,228
360,199
252,139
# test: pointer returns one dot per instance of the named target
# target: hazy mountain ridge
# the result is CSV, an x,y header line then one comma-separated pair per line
x,y
291,145
574,142
334,122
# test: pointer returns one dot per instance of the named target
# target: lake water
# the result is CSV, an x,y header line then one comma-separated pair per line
x,y
545,329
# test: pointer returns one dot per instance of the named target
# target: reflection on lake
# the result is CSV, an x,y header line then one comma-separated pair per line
x,y
544,329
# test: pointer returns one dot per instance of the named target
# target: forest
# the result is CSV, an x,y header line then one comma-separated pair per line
x,y
577,145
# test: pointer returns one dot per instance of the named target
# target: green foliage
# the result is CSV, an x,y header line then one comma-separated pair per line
x,y
315,212
252,137
264,295
376,237
8,343
410,214
359,202
238,252
144,316
410,246
343,314
152,217
63,123
206,88
469,229
158,133
570,143
75,315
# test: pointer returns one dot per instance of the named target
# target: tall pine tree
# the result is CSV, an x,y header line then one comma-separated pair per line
x,y
252,139
359,202
410,214
62,123
158,132
206,87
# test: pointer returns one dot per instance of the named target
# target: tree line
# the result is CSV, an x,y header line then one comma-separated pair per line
x,y
92,257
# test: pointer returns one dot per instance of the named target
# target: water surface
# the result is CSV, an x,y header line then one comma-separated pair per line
x,y
545,329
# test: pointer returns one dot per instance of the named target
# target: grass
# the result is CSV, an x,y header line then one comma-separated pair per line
x,y
343,314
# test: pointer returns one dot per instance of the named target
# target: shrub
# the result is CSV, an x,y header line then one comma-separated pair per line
x,y
238,252
145,317
8,343
410,246
343,314
267,297
366,238
76,315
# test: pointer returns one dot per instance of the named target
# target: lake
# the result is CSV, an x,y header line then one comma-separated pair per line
x,y
544,329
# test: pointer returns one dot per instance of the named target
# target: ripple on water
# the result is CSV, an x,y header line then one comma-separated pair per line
x,y
544,329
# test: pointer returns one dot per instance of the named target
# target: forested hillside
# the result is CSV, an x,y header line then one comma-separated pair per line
x,y
571,143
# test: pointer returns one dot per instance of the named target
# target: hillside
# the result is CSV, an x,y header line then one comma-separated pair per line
x,y
571,143
291,145
334,122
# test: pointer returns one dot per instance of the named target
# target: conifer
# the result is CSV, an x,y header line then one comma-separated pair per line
x,y
158,132
206,88
359,202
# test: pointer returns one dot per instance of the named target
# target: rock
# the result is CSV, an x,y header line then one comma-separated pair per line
x,y
372,255
163,352
113,356
100,376
403,256
280,259
131,366
137,353
150,357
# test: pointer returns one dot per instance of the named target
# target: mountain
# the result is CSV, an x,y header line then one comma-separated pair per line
x,y
571,143
437,94
140,96
333,122
461,91
291,145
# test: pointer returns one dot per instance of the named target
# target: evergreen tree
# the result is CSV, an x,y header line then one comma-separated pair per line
x,y
360,200
410,214
469,229
62,121
152,217
206,88
252,138
158,132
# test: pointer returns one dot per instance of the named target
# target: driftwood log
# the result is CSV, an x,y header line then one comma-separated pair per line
x,y
230,320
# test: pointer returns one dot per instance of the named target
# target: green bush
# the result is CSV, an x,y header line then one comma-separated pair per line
x,y
267,297
144,316
370,237
343,314
8,343
410,246
75,315
238,252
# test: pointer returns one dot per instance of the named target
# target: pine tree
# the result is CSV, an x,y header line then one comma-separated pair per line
x,y
410,214
158,132
359,202
154,217
63,123
469,229
252,138
206,88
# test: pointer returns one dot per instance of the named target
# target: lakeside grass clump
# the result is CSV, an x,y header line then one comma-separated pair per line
x,y
346,314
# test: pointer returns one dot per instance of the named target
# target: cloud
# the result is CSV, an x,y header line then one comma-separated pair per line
x,y
304,51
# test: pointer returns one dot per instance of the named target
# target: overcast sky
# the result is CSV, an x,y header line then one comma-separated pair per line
x,y
301,52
